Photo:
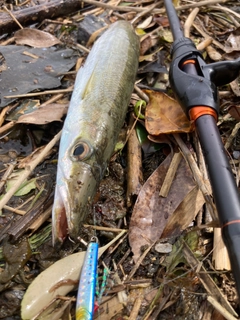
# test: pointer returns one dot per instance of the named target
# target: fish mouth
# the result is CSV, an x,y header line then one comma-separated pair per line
x,y
72,202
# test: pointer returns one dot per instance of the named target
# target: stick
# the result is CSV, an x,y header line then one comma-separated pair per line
x,y
38,13
134,168
162,10
188,23
33,94
220,255
28,170
170,174
227,315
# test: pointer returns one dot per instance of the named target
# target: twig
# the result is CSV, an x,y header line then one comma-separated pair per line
x,y
203,169
220,308
81,47
104,228
188,23
28,170
220,255
137,304
170,174
224,118
205,35
139,261
208,283
141,94
225,9
13,17
7,173
147,10
20,212
134,167
162,10
200,4
33,94
204,44
232,136
2,115
7,126
118,8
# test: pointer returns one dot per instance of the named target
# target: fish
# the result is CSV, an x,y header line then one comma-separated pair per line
x,y
96,113
87,283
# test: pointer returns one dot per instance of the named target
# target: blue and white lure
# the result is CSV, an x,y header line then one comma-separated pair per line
x,y
87,283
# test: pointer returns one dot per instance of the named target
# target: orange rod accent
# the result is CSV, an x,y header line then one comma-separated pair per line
x,y
188,62
199,111
230,222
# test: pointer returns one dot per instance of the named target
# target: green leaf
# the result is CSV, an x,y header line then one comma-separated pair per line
x,y
25,187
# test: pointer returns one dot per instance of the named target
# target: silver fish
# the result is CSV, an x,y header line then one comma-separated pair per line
x,y
96,114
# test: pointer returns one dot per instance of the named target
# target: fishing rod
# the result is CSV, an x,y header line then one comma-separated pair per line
x,y
194,84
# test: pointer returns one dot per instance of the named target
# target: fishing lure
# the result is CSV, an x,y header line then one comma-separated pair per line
x,y
87,283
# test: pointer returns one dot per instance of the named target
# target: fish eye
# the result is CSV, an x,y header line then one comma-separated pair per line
x,y
81,151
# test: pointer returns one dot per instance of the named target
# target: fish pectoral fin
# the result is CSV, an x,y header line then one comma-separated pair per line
x,y
89,84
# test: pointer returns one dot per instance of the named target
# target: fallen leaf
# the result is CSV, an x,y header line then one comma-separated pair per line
x,y
162,21
27,106
146,23
45,114
166,35
187,210
233,41
152,212
176,256
110,308
235,87
234,111
164,115
150,56
25,188
35,38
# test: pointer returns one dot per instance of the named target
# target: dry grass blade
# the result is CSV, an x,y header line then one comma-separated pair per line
x,y
206,280
28,170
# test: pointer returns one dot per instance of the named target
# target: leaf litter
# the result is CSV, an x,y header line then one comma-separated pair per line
x,y
145,282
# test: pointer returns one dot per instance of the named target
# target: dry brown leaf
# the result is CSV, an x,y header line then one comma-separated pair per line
x,y
162,21
35,38
185,213
45,114
235,87
213,54
152,212
162,138
164,115
233,41
146,23
235,112
110,308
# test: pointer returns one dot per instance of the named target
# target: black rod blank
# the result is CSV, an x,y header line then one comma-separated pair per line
x,y
224,188
225,191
